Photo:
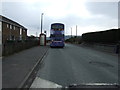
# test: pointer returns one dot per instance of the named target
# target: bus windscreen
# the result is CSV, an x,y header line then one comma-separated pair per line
x,y
57,27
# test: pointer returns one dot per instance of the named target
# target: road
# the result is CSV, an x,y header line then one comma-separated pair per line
x,y
74,65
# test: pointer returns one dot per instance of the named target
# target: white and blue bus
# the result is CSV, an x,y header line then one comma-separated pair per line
x,y
57,35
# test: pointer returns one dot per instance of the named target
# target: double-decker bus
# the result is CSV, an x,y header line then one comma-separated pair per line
x,y
57,35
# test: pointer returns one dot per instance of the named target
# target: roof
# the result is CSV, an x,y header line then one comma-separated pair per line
x,y
7,20
57,23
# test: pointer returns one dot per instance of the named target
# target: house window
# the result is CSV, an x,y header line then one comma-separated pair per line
x,y
20,31
10,26
7,25
14,27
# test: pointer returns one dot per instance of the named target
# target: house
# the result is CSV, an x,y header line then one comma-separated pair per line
x,y
12,30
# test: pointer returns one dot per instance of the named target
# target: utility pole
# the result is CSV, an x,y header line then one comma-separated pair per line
x,y
41,22
76,30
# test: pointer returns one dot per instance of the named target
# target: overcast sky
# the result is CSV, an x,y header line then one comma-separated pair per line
x,y
88,16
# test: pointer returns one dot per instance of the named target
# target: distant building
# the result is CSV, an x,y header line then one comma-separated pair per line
x,y
12,30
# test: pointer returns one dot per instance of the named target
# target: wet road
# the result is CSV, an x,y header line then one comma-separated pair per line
x,y
74,64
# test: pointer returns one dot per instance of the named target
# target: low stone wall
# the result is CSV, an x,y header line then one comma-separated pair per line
x,y
12,47
111,48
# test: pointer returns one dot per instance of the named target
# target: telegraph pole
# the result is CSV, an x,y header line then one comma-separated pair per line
x,y
76,30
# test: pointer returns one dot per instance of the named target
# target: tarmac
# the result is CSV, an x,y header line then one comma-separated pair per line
x,y
17,68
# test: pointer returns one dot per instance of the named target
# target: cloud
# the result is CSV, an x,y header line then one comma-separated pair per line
x,y
109,9
88,16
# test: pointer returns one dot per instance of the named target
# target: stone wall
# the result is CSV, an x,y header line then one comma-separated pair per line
x,y
111,48
13,47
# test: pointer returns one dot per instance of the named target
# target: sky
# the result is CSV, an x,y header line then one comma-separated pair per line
x,y
87,15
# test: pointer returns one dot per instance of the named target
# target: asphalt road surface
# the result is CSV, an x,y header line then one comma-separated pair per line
x,y
75,65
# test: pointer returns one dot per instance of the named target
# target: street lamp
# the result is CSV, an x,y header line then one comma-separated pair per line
x,y
45,31
41,21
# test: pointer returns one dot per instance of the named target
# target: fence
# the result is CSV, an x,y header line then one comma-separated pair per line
x,y
12,47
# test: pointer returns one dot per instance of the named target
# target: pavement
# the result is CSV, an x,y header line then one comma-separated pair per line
x,y
17,67
108,48
77,65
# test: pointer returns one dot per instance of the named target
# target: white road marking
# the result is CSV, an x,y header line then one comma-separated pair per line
x,y
42,83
